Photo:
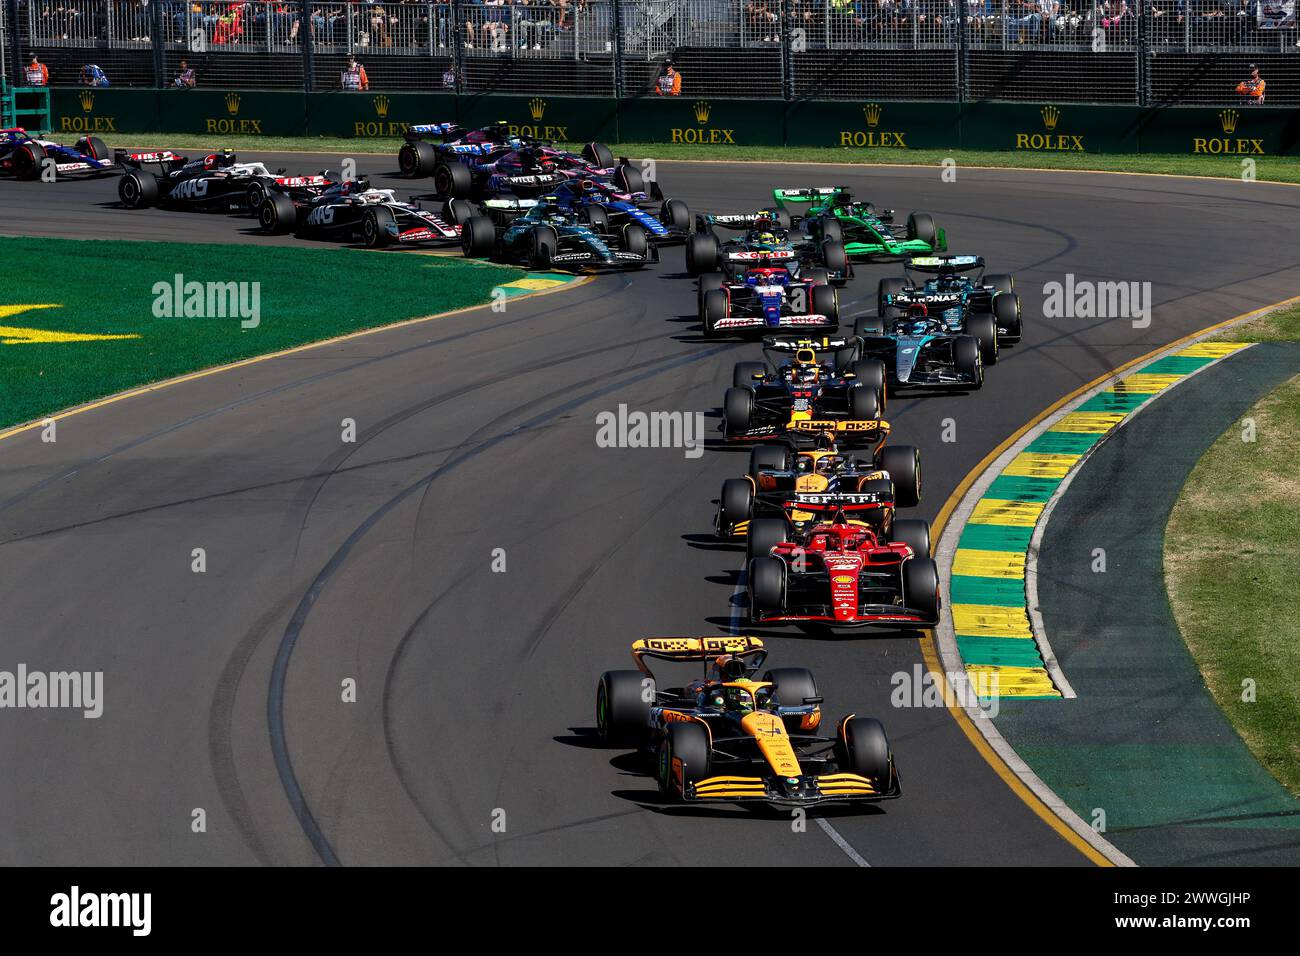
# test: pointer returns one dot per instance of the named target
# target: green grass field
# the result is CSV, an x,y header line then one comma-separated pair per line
x,y
108,289
1231,567
1268,168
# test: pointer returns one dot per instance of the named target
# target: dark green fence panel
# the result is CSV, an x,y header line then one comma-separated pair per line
x,y
372,115
691,121
1050,128
104,112
567,119
1232,131
863,126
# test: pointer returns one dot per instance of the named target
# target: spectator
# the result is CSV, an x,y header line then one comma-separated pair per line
x,y
92,75
1251,91
449,77
532,23
36,73
669,82
354,76
185,79
763,20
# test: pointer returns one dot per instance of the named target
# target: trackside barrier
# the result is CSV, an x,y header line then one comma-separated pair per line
x,y
856,127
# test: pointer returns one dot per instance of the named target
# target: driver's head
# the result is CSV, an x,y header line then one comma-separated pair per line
x,y
738,700
731,668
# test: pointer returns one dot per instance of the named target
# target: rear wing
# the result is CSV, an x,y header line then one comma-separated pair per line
x,y
865,430
807,196
938,265
443,131
793,343
705,649
162,157
741,220
848,503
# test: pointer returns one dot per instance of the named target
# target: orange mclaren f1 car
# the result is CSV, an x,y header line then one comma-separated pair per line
x,y
729,737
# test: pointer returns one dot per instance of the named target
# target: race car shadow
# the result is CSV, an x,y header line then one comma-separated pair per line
x,y
708,542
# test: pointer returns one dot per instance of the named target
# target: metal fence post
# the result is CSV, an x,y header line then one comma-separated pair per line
x,y
457,49
963,53
1143,55
618,50
787,53
158,40
308,48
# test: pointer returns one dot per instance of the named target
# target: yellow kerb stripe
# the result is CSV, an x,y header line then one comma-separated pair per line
x,y
990,681
989,564
990,620
1093,423
1212,349
1022,514
1146,383
1031,464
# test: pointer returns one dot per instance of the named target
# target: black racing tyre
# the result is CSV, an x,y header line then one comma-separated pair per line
x,y
889,286
920,225
376,226
687,743
921,588
764,535
452,180
1001,282
869,326
817,276
545,242
876,486
831,230
97,148
825,300
458,211
871,373
478,237
596,217
847,357
903,462
628,179
27,161
913,532
715,307
864,750
738,408
769,458
416,159
622,710
744,372
599,155
834,256
1006,315
708,283
791,685
138,190
766,586
277,214
966,359
676,214
735,503
985,328
254,196
635,239
780,217
863,403
701,253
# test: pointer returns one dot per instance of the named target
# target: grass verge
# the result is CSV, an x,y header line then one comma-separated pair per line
x,y
1268,168
1231,568
107,289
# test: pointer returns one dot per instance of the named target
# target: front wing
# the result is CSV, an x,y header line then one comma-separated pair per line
x,y
792,791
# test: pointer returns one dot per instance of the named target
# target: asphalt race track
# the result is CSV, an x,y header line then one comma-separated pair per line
x,y
371,561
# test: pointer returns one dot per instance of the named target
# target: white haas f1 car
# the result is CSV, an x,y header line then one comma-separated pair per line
x,y
352,210
216,183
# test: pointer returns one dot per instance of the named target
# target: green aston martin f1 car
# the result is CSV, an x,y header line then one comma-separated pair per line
x,y
868,234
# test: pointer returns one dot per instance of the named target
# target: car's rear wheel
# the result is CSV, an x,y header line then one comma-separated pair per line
x,y
780,217
1006,314
889,286
791,686
458,211
676,214
768,458
903,462
1000,282
377,227
766,586
869,326
985,328
744,372
864,750
738,408
735,504
478,237
834,256
545,242
416,159
921,588
831,229
825,300
715,308
277,214
452,180
966,360
138,190
685,743
863,403
599,155
27,161
920,225
871,373
254,196
913,532
702,253
764,535
817,276
623,707
628,179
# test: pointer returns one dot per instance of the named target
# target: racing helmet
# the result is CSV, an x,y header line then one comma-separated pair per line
x,y
730,668
737,700
222,160
765,239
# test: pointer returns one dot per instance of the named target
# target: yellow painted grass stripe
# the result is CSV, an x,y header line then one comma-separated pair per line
x,y
989,564
1035,464
1092,423
1022,514
990,681
1212,349
990,620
